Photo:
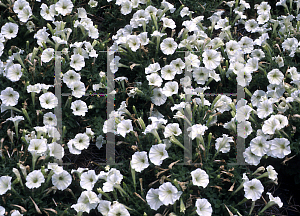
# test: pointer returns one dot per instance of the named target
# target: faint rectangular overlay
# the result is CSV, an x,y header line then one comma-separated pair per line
x,y
187,140
110,137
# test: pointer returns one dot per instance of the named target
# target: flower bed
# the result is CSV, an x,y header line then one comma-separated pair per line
x,y
175,149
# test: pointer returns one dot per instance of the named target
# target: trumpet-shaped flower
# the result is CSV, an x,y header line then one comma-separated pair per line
x,y
77,62
124,127
203,207
168,193
5,184
88,180
259,146
279,147
168,72
126,7
274,200
89,198
211,59
172,129
38,145
153,200
168,46
197,130
48,100
251,158
25,14
9,30
253,189
14,72
9,97
56,150
79,107
50,119
104,207
35,179
158,97
223,143
62,180
47,55
118,209
81,141
158,153
244,129
270,125
275,76
154,79
64,7
170,88
139,161
200,178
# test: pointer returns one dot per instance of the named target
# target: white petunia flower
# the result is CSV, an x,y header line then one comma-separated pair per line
x,y
170,88
203,207
93,3
244,129
38,145
196,130
168,46
253,189
223,143
14,72
9,97
5,184
9,30
158,97
35,179
168,193
133,42
90,199
88,180
19,5
50,119
78,89
64,7
158,153
154,79
270,125
274,200
46,13
139,161
211,59
56,150
61,180
275,76
259,146
251,158
81,141
25,14
126,7
168,72
118,209
104,207
279,147
200,178
48,100
272,174
79,108
47,55
172,129
153,200
77,62
124,127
